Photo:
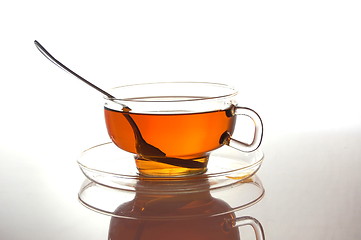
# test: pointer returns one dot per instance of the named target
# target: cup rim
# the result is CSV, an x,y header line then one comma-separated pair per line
x,y
233,92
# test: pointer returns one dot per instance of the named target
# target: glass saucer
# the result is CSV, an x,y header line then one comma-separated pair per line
x,y
107,165
159,199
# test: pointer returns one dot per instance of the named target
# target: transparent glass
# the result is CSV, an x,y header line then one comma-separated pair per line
x,y
108,165
172,127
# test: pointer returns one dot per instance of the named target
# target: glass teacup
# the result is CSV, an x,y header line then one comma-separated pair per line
x,y
172,127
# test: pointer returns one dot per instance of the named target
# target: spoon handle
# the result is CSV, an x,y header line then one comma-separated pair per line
x,y
143,148
65,68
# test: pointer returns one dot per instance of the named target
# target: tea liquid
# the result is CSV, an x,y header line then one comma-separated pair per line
x,y
185,139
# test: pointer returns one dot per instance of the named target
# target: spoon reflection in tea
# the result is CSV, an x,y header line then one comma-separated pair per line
x,y
143,148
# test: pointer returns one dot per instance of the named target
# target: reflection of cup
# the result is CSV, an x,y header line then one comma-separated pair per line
x,y
173,127
160,210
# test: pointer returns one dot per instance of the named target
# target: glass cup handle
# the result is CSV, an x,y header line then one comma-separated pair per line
x,y
258,131
254,223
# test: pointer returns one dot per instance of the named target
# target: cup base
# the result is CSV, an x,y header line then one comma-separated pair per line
x,y
171,167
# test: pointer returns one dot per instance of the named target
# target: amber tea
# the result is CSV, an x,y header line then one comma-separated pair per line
x,y
185,139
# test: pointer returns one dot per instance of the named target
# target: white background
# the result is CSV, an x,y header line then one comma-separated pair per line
x,y
297,63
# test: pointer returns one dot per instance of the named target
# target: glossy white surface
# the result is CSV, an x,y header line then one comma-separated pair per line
x,y
312,187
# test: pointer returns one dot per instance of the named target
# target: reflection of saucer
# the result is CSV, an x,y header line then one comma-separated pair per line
x,y
108,165
159,200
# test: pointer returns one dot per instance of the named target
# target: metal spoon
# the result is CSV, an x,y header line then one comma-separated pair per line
x,y
143,148
65,68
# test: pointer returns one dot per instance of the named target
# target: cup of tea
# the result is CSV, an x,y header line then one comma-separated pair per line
x,y
172,127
